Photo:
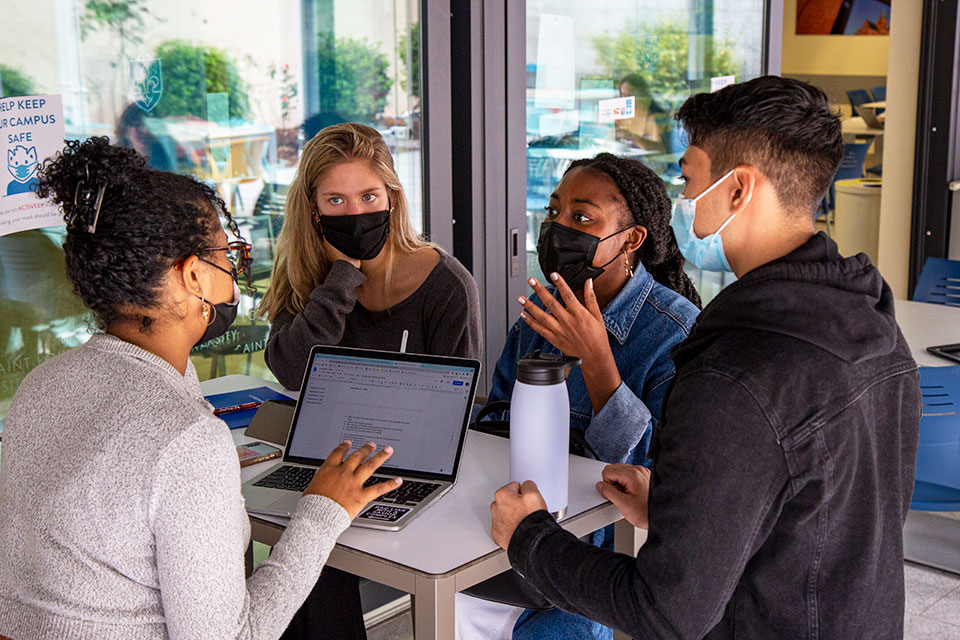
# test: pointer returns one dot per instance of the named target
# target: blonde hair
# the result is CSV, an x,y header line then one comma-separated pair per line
x,y
300,263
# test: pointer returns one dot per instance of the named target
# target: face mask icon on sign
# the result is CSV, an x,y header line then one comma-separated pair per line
x,y
22,165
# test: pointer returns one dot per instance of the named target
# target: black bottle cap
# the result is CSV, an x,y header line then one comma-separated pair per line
x,y
544,368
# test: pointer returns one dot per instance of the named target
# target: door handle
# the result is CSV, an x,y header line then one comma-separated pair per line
x,y
954,185
514,252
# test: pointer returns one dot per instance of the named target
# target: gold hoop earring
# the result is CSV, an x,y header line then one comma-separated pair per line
x,y
205,311
627,267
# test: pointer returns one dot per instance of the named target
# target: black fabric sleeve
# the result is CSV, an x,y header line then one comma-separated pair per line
x,y
321,322
453,317
719,478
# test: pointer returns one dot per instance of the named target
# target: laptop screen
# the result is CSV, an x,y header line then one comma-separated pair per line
x,y
417,404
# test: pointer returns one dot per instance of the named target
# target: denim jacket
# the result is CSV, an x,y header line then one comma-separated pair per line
x,y
643,321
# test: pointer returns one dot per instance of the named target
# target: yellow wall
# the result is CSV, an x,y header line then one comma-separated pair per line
x,y
896,204
830,55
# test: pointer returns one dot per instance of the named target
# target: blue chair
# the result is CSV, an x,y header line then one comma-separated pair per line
x,y
937,484
851,166
939,282
858,97
879,95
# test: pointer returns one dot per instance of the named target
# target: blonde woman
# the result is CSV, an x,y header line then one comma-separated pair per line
x,y
349,268
351,271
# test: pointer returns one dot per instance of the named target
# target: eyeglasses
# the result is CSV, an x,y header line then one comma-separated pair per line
x,y
237,252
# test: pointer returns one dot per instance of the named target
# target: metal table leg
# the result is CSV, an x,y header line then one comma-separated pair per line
x,y
625,538
433,608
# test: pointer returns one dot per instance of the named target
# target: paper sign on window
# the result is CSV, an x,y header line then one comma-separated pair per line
x,y
31,130
720,82
617,109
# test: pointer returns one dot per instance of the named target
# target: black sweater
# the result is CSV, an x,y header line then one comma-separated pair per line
x,y
783,470
442,318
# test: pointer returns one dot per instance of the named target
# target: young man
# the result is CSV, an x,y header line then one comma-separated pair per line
x,y
784,458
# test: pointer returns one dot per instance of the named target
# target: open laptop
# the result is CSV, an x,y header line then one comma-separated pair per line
x,y
418,404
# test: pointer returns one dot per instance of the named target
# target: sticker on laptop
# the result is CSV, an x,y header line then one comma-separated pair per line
x,y
384,513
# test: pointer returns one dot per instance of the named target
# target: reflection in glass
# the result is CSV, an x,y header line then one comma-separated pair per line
x,y
40,316
585,59
227,92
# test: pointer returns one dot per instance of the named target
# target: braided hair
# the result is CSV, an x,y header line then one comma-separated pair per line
x,y
127,225
649,206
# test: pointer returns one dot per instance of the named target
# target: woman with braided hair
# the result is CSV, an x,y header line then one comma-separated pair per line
x,y
618,299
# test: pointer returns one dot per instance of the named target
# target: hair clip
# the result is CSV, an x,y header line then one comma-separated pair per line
x,y
86,206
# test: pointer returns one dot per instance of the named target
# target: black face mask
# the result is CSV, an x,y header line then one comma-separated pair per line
x,y
359,236
225,313
570,253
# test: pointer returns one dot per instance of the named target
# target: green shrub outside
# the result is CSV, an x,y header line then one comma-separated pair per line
x,y
190,72
15,82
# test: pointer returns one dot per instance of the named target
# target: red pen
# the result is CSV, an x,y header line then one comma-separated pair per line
x,y
236,407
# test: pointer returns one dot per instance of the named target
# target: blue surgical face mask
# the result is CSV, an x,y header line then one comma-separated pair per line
x,y
707,252
22,172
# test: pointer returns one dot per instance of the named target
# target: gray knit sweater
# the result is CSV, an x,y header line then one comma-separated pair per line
x,y
121,514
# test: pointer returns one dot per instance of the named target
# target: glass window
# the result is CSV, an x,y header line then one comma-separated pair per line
x,y
222,90
610,75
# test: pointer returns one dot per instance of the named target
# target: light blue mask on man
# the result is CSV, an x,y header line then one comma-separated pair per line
x,y
706,252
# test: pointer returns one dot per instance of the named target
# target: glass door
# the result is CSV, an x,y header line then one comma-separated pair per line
x,y
609,76
224,91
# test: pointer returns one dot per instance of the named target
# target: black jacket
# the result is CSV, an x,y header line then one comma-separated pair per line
x,y
783,469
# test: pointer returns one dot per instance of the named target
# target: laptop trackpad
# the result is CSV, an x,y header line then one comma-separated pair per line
x,y
286,505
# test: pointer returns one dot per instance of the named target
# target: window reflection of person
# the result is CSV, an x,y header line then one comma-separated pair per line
x,y
133,133
34,295
643,129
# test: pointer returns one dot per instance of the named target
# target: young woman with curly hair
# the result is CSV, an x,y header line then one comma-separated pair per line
x,y
618,299
120,490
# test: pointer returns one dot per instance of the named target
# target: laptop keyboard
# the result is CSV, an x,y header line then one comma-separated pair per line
x,y
410,493
288,477
291,478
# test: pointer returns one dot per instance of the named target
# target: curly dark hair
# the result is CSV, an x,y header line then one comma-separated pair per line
x,y
784,127
148,221
648,205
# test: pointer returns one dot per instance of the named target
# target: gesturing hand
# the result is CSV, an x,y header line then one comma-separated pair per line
x,y
334,254
628,488
512,503
575,329
342,480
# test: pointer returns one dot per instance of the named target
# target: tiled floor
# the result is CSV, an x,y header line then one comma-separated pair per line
x,y
399,627
933,604
932,609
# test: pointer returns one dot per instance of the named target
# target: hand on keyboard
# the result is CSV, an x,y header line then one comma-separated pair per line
x,y
342,480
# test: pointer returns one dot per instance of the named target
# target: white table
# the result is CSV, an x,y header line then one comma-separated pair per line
x,y
927,325
856,126
448,548
930,538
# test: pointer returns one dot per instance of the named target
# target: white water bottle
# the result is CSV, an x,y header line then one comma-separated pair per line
x,y
540,427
